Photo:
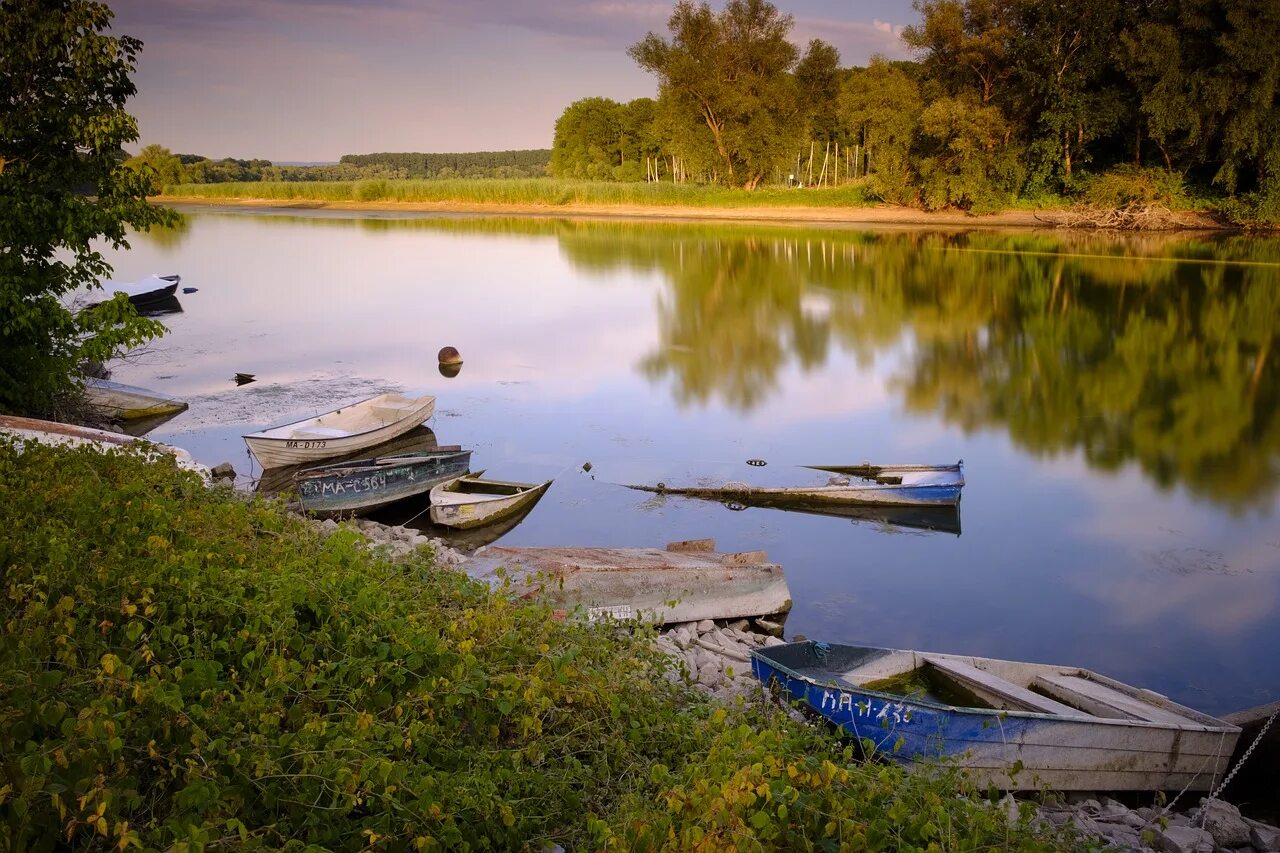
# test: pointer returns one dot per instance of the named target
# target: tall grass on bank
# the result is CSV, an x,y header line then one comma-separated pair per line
x,y
182,668
529,191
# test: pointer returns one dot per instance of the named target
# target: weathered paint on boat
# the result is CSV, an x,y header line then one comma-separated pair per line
x,y
941,489
70,435
473,501
129,402
1076,730
352,428
353,488
872,471
276,480
686,582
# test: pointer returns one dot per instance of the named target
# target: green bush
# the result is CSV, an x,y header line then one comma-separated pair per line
x,y
183,668
1125,185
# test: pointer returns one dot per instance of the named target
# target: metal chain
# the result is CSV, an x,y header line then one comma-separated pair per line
x,y
1213,796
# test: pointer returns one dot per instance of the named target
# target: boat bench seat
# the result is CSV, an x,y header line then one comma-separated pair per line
x,y
319,432
1103,701
1001,693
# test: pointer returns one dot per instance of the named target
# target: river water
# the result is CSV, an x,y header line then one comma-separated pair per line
x,y
1116,402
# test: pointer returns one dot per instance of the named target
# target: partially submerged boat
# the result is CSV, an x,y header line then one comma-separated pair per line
x,y
1017,726
894,473
129,402
364,485
145,294
351,428
473,501
905,488
685,582
69,435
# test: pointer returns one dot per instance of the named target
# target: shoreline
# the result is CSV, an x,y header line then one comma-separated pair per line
x,y
879,215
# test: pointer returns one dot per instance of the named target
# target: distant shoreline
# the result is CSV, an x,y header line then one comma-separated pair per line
x,y
870,215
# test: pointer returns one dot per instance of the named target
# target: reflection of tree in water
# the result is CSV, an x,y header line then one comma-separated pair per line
x,y
1154,350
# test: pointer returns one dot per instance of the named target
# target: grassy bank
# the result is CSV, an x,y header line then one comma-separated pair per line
x,y
182,668
532,191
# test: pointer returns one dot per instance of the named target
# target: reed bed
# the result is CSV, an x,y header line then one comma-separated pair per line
x,y
528,191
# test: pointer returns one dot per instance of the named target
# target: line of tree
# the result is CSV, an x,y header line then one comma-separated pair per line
x,y
1006,98
171,169
520,163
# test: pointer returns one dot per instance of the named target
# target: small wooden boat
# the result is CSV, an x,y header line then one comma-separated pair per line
x,y
351,428
1017,726
361,486
686,582
890,473
473,501
923,488
276,480
147,293
128,402
70,435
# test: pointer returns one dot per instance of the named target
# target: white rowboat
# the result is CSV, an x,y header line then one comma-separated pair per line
x,y
472,501
345,430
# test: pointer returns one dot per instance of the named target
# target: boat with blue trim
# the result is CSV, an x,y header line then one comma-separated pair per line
x,y
902,487
1014,725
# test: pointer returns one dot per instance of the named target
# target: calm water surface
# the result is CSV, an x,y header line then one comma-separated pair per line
x,y
1115,403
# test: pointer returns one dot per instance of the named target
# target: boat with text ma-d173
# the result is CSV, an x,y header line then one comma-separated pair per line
x,y
345,430
925,485
364,485
1014,725
473,501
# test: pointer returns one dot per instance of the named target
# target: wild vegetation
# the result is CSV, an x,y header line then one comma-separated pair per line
x,y
531,191
63,192
171,169
182,668
1007,99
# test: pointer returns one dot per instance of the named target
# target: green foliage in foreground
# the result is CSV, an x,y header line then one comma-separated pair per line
x,y
528,191
182,668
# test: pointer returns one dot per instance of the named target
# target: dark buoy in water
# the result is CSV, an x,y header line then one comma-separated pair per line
x,y
448,371
449,355
243,378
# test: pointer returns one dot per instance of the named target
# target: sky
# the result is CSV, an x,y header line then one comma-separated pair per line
x,y
311,80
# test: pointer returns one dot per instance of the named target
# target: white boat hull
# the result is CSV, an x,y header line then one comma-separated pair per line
x,y
305,442
477,512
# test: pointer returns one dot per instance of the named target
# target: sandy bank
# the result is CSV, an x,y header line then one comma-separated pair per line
x,y
877,215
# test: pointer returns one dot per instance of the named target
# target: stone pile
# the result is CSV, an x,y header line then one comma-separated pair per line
x,y
717,657
1211,827
396,542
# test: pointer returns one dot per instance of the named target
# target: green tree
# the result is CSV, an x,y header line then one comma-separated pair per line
x,y
732,71
965,44
587,140
63,86
164,165
968,163
819,76
881,104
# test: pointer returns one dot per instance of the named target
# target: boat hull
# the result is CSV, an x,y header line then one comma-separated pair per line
x,y
275,451
129,402
465,516
932,494
650,584
1012,750
363,486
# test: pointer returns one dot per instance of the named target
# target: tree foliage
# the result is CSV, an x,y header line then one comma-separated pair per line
x,y
63,87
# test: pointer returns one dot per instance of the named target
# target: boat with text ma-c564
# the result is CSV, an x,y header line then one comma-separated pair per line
x,y
345,430
361,486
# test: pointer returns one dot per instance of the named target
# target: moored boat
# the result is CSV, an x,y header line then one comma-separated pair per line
x,y
889,473
1014,725
910,488
348,429
275,480
473,501
129,402
686,582
147,293
361,486
71,435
